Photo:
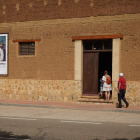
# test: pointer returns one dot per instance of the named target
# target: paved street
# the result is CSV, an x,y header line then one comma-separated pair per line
x,y
39,123
52,129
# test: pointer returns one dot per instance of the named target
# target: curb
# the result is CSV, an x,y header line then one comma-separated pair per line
x,y
54,107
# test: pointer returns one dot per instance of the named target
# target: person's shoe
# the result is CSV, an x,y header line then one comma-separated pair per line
x,y
118,107
127,105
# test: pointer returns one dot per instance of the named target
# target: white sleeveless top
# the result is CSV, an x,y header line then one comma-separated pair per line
x,y
106,87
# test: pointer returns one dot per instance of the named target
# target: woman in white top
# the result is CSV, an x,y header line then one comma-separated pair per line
x,y
106,87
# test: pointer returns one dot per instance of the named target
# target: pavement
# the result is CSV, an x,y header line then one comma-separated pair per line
x,y
28,110
68,105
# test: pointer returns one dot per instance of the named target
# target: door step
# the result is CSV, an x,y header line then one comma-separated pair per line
x,y
94,99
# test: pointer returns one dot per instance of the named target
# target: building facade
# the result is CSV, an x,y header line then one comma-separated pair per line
x,y
57,50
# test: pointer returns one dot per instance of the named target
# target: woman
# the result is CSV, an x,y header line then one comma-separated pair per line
x,y
106,87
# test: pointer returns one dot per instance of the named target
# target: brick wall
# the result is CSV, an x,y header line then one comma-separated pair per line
x,y
54,59
31,10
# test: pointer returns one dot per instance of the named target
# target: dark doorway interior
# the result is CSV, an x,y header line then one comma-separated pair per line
x,y
105,63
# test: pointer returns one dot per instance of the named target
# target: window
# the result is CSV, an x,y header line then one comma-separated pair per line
x,y
98,45
88,45
26,48
108,45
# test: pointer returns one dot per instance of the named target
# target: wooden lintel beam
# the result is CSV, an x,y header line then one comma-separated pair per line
x,y
30,40
97,37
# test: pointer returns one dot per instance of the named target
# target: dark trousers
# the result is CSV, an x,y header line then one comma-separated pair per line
x,y
121,95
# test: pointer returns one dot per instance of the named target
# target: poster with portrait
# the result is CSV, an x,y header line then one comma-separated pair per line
x,y
3,53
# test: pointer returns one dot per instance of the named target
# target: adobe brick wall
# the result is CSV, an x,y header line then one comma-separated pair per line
x,y
54,59
55,52
31,10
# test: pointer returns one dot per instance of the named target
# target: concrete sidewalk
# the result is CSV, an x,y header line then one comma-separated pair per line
x,y
66,105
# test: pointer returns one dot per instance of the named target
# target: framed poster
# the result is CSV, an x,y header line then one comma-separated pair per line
x,y
3,53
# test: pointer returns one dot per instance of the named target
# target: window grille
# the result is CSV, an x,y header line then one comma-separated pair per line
x,y
27,48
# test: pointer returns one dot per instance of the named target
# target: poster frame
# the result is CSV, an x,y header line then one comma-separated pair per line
x,y
4,71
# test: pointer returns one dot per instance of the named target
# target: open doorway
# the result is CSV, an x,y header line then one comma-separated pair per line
x,y
97,57
105,63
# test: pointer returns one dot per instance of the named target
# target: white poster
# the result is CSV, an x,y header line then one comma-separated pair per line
x,y
3,54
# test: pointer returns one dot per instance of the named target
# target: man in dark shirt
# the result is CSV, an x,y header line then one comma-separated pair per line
x,y
122,90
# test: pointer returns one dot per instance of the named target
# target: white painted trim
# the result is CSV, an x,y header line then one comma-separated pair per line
x,y
78,60
115,59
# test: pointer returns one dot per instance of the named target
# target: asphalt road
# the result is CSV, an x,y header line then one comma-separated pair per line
x,y
30,123
55,129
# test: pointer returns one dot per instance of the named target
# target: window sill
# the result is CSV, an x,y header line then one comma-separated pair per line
x,y
26,56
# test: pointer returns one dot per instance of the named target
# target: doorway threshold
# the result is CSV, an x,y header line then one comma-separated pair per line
x,y
94,99
90,95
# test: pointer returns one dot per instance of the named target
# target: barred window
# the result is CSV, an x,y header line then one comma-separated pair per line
x,y
97,45
26,48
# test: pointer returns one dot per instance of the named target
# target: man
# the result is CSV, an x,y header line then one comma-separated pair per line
x,y
122,90
1,52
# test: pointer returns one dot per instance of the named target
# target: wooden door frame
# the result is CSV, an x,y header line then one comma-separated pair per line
x,y
78,61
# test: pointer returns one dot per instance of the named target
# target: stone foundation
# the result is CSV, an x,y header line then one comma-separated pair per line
x,y
58,90
132,92
48,90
